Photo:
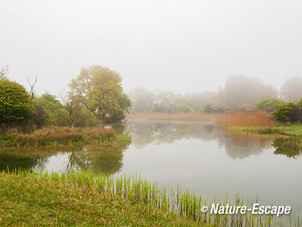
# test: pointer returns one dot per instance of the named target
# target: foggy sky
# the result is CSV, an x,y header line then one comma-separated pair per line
x,y
181,46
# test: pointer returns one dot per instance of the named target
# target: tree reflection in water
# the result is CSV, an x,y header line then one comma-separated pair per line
x,y
22,159
109,160
240,146
146,132
99,159
289,146
237,145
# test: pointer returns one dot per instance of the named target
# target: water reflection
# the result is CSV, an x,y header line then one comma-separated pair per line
x,y
236,145
105,160
291,147
240,146
109,160
99,159
202,158
144,132
16,161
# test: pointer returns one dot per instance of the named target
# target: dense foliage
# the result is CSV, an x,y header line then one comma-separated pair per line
x,y
268,104
99,89
15,104
288,112
208,108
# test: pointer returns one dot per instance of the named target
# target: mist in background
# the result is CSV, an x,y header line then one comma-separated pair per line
x,y
179,46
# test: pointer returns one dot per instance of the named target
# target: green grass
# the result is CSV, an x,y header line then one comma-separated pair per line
x,y
28,198
251,129
292,130
34,200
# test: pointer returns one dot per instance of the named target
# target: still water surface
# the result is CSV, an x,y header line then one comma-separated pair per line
x,y
206,160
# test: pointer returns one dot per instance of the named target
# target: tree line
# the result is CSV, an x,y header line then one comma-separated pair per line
x,y
238,93
95,95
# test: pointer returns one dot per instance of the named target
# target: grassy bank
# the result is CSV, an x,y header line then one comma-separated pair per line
x,y
56,136
256,122
291,130
35,200
87,199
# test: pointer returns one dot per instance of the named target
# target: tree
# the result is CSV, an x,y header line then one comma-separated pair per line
x,y
78,114
268,104
208,108
32,88
56,114
15,104
100,90
184,107
142,100
3,72
244,90
291,89
283,112
39,116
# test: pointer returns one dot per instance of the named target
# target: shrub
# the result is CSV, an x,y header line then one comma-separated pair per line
x,y
208,108
284,112
15,104
183,107
268,104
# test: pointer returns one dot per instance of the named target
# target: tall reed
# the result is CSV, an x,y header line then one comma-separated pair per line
x,y
258,121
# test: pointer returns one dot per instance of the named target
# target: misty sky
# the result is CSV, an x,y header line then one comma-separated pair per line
x,y
181,46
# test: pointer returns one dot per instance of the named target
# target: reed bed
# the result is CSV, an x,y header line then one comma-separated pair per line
x,y
197,116
256,121
177,202
53,136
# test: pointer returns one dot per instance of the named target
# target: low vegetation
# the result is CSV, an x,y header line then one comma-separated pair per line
x,y
41,200
87,199
54,136
291,130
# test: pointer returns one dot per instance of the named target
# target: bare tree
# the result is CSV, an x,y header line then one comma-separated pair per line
x,y
32,86
4,72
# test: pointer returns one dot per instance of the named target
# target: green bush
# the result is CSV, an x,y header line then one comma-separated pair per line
x,y
208,108
268,104
15,104
288,112
183,107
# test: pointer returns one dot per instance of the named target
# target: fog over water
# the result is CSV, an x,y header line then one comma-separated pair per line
x,y
182,46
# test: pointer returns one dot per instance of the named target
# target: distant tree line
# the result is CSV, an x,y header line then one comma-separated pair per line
x,y
145,101
96,95
238,93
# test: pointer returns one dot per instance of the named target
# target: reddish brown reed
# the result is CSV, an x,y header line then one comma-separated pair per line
x,y
108,133
95,132
246,119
